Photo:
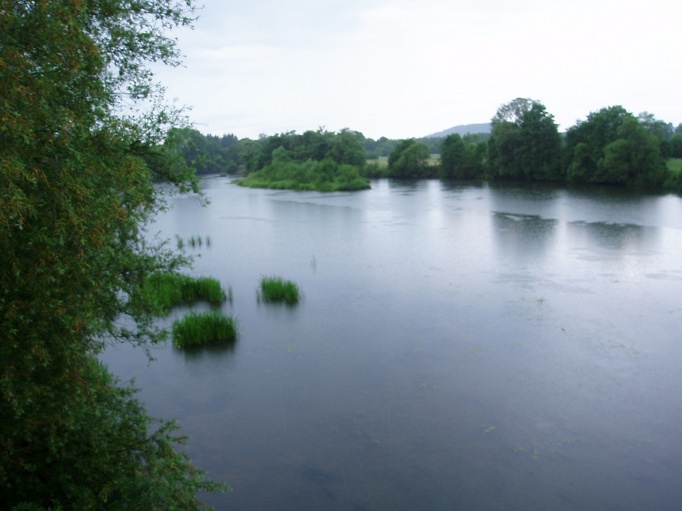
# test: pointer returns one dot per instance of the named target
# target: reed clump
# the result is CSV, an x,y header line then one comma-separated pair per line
x,y
201,328
276,289
164,290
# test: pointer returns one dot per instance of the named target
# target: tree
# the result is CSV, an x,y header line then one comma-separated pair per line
x,y
660,129
461,158
451,156
524,142
346,147
663,131
676,145
76,168
206,154
612,147
409,160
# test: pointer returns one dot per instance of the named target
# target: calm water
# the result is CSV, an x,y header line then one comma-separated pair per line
x,y
458,348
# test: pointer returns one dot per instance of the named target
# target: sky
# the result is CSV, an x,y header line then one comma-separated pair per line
x,y
409,68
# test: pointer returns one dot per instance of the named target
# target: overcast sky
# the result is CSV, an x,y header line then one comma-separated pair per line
x,y
409,68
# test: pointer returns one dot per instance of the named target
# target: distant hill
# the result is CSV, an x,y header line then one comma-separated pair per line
x,y
462,130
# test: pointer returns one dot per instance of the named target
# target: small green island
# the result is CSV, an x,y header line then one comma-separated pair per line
x,y
317,160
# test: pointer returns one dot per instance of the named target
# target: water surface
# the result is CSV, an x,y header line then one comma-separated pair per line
x,y
457,348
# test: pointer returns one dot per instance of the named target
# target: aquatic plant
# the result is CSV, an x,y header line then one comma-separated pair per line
x,y
165,290
193,241
276,289
200,328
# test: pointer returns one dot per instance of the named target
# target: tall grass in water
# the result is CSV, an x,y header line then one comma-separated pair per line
x,y
196,329
164,290
193,242
276,289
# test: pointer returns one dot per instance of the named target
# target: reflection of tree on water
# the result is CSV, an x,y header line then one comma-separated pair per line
x,y
209,351
625,238
407,186
523,237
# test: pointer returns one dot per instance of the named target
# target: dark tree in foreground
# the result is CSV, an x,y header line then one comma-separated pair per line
x,y
76,181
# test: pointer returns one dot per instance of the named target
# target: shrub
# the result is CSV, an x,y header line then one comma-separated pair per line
x,y
275,289
196,329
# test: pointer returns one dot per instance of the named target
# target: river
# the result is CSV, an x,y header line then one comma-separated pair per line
x,y
458,347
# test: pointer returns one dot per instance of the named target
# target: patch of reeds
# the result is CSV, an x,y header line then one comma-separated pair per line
x,y
201,328
276,289
164,290
193,242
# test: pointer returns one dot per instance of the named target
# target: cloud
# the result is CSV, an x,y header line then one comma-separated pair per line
x,y
412,67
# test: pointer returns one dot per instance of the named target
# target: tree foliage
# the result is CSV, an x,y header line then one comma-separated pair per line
x,y
206,154
524,142
81,131
613,147
409,160
676,145
462,157
316,160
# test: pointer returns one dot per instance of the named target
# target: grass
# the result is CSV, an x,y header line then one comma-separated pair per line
x,y
674,165
674,181
164,290
276,289
201,328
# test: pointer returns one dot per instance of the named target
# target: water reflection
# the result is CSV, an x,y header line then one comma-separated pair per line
x,y
407,186
210,351
523,237
621,239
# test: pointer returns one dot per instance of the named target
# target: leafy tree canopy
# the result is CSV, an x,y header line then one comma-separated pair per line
x,y
524,142
462,158
613,147
409,160
82,124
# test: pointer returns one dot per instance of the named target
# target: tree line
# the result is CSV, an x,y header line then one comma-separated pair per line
x,y
611,146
